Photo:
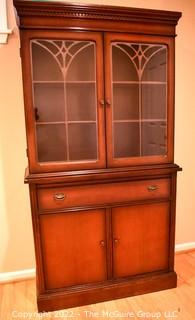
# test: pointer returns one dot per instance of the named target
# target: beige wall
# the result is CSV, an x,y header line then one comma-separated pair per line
x,y
16,251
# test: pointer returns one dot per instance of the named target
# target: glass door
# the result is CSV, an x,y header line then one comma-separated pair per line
x,y
137,100
67,101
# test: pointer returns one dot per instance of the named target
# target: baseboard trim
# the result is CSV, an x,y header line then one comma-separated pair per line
x,y
30,273
183,247
17,275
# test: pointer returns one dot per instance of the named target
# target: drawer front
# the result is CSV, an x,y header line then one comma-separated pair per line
x,y
102,194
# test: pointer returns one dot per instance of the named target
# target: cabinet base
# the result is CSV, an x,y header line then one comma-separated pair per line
x,y
139,285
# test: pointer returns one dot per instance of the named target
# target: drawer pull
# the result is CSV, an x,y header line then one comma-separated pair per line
x,y
152,188
59,196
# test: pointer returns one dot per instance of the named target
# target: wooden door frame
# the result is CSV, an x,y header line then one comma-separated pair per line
x,y
34,165
161,40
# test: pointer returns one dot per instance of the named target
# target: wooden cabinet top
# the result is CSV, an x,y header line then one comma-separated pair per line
x,y
94,17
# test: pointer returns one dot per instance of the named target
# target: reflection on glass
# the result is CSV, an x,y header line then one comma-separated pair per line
x,y
49,102
126,142
64,88
125,101
80,101
82,139
139,88
153,101
50,141
154,138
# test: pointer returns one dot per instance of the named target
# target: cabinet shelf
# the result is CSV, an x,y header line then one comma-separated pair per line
x,y
139,82
139,120
64,122
64,82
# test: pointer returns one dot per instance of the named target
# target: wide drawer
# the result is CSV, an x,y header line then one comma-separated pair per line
x,y
102,194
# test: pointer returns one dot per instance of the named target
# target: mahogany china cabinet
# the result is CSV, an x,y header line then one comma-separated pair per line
x,y
99,108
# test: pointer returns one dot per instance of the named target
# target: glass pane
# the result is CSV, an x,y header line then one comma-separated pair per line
x,y
49,102
123,68
44,65
82,65
154,138
64,100
50,141
125,101
126,142
81,99
153,101
83,141
139,93
155,69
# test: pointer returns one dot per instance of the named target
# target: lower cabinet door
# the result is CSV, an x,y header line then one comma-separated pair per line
x,y
140,239
73,248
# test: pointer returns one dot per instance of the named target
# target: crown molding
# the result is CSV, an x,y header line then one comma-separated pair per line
x,y
83,11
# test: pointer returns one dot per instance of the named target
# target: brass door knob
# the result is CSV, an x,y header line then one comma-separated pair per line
x,y
102,243
116,241
108,102
102,102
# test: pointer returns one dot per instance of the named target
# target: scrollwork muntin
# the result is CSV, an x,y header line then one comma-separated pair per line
x,y
62,54
139,58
